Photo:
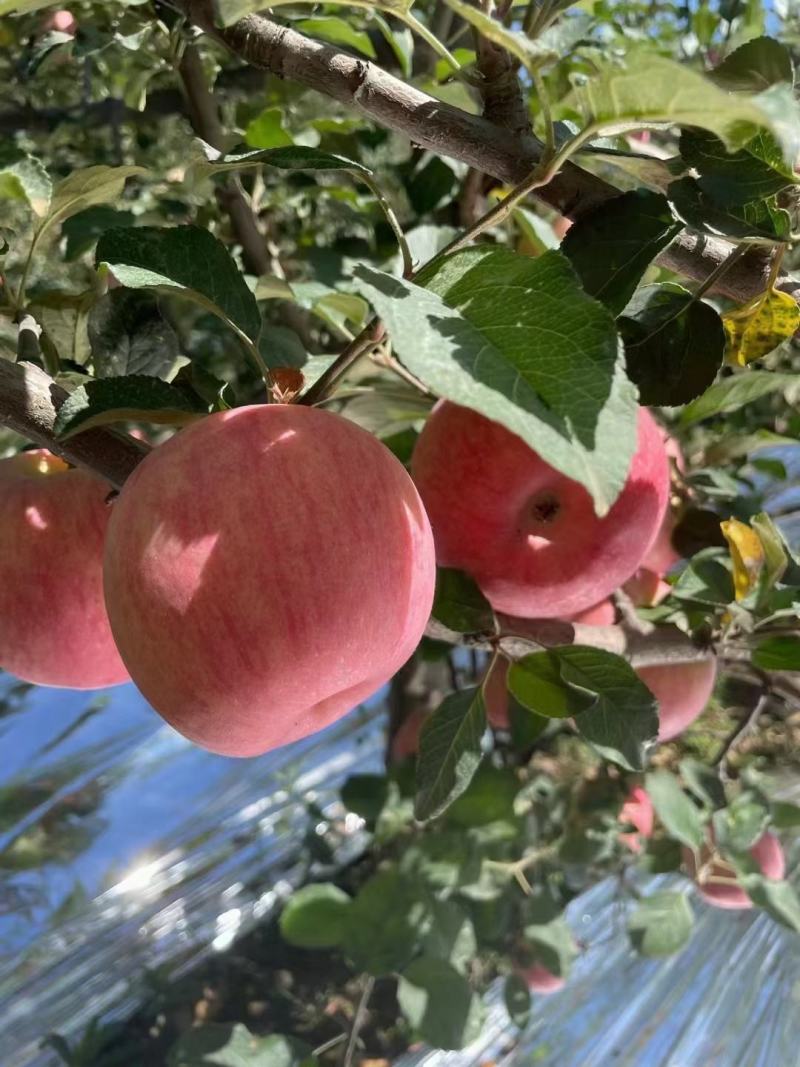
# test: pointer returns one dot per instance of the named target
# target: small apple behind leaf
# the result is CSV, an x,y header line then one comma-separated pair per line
x,y
715,877
682,690
540,980
637,811
405,742
53,624
602,614
528,535
266,570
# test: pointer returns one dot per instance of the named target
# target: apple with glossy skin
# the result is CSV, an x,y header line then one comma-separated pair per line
x,y
528,535
638,812
266,570
53,624
768,854
682,690
540,980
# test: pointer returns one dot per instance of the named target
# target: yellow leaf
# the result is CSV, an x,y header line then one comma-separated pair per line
x,y
747,555
759,326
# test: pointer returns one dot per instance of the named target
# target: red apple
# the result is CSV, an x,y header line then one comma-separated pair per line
x,y
637,811
495,694
62,21
405,742
266,570
768,854
540,980
646,588
602,614
528,535
682,691
53,624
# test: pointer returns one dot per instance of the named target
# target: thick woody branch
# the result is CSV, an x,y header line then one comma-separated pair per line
x,y
29,402
449,131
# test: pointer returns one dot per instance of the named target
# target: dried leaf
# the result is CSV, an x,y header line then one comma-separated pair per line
x,y
747,555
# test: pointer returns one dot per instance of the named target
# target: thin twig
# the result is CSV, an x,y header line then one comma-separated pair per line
x,y
358,1020
739,734
371,335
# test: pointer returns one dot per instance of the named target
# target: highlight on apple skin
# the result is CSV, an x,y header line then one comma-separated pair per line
x,y
527,534
768,854
682,690
540,980
53,624
290,583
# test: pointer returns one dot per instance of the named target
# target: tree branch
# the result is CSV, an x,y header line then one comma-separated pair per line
x,y
230,196
449,131
29,402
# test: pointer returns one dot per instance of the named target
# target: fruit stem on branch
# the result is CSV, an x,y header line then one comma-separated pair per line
x,y
370,336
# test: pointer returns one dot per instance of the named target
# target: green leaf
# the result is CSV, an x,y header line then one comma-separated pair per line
x,y
449,751
650,89
451,936
291,157
23,177
704,782
266,130
674,344
186,260
337,31
23,7
733,179
232,1045
754,66
517,999
612,246
778,899
83,230
739,826
459,604
552,945
386,923
401,41
517,339
85,188
316,916
706,580
733,393
760,219
129,335
135,396
439,1004
623,722
785,816
536,682
681,819
661,925
488,798
366,795
777,654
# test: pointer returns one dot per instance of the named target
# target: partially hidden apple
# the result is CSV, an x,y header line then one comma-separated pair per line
x,y
768,854
495,694
682,690
53,624
266,570
637,811
405,742
540,980
527,534
602,614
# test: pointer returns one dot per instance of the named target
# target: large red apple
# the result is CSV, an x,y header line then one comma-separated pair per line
x,y
53,624
266,570
540,980
528,535
768,854
682,691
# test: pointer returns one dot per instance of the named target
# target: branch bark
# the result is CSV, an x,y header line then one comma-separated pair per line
x,y
29,402
449,131
204,115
